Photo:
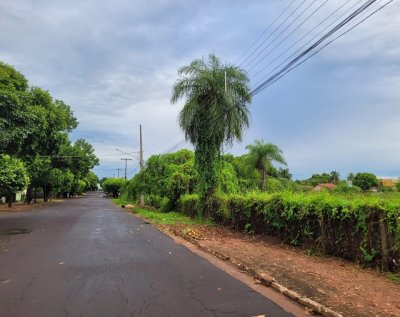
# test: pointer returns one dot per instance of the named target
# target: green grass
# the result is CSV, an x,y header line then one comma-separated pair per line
x,y
168,218
394,277
164,218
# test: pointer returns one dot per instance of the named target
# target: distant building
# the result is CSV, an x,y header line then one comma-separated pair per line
x,y
388,182
329,186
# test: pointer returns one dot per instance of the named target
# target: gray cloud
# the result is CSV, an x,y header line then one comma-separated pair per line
x,y
115,64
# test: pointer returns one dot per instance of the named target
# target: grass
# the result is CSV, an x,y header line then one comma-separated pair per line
x,y
164,218
394,277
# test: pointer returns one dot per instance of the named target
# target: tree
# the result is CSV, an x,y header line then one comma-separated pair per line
x,y
334,177
261,155
365,180
13,176
113,186
213,113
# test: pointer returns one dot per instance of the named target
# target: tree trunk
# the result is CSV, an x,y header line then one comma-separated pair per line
x,y
264,179
45,194
10,199
34,195
29,194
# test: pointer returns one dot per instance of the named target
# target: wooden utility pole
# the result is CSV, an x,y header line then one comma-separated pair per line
x,y
126,164
141,150
141,164
118,169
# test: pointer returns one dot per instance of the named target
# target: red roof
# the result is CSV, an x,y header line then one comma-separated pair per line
x,y
327,186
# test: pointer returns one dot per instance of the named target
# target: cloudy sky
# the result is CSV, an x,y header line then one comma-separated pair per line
x,y
114,63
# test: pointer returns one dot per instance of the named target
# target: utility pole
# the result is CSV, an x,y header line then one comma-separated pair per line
x,y
126,164
118,169
225,81
141,163
141,150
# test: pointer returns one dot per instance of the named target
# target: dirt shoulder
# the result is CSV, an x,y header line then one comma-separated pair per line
x,y
335,283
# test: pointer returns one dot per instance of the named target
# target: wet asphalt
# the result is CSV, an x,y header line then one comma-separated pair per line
x,y
86,257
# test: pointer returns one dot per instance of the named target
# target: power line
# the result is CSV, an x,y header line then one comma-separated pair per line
x,y
308,33
276,37
288,35
313,46
339,36
265,31
273,32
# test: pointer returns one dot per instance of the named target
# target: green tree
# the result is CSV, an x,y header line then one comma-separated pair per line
x,y
334,177
113,186
92,180
213,113
13,176
365,180
261,155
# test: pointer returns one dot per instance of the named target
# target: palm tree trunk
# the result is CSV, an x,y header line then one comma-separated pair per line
x,y
264,179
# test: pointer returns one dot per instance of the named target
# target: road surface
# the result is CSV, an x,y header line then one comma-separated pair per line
x,y
86,257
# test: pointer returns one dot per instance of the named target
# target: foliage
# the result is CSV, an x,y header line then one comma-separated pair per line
x,y
169,175
315,179
13,175
344,188
34,128
189,205
345,226
113,186
212,114
365,180
261,155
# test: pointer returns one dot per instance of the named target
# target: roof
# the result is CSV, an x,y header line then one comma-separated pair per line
x,y
326,185
388,182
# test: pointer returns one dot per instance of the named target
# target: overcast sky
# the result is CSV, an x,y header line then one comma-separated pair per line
x,y
114,63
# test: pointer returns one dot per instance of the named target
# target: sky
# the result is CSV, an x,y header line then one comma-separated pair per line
x,y
115,63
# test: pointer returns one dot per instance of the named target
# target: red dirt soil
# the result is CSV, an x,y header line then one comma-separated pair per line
x,y
333,282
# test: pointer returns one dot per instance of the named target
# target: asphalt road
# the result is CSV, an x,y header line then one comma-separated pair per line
x,y
85,257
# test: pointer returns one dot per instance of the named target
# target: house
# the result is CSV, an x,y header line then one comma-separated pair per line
x,y
388,182
328,186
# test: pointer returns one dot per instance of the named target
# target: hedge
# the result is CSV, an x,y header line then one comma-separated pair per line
x,y
360,228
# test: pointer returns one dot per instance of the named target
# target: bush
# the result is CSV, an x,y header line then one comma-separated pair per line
x,y
343,188
351,228
113,186
166,205
153,200
365,180
189,205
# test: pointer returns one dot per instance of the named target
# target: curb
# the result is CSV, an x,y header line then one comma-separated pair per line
x,y
263,278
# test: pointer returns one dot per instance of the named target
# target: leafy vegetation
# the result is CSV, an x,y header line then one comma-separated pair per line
x,y
113,186
34,129
345,222
365,180
261,155
214,113
13,176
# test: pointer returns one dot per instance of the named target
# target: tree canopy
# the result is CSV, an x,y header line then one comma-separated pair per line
x,y
34,129
214,112
261,156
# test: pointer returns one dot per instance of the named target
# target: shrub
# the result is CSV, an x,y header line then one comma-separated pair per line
x,y
343,188
365,180
113,186
189,205
165,205
347,227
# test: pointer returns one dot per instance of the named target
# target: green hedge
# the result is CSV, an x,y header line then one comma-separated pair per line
x,y
189,205
361,228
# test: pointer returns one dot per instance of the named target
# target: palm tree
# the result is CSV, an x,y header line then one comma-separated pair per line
x,y
261,155
214,112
